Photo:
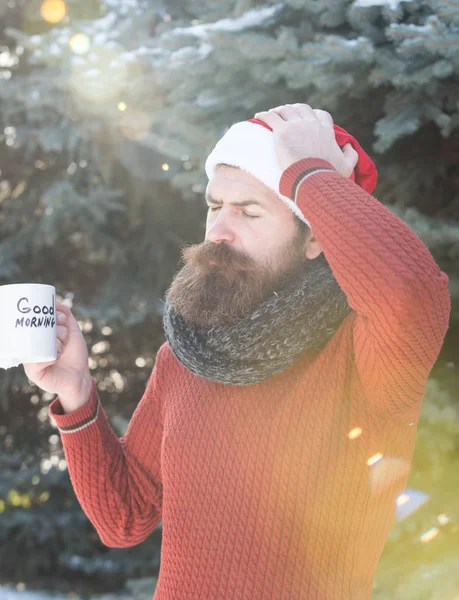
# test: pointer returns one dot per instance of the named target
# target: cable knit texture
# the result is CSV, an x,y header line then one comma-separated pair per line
x,y
284,489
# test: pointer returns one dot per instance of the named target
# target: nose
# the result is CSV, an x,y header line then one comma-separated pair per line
x,y
220,229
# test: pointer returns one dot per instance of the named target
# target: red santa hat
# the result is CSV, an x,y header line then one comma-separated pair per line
x,y
249,145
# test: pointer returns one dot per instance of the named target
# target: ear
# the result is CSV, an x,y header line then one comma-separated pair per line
x,y
313,248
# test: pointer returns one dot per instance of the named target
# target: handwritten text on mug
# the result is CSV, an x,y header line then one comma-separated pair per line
x,y
43,321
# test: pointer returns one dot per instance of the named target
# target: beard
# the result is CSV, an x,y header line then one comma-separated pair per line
x,y
219,285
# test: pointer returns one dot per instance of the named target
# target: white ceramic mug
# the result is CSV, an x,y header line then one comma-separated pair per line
x,y
27,324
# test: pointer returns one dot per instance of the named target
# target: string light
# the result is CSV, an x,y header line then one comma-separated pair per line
x,y
122,106
165,167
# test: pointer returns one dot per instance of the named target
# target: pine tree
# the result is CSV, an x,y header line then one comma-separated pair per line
x,y
154,90
109,110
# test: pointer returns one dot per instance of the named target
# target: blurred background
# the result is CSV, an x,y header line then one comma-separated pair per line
x,y
108,110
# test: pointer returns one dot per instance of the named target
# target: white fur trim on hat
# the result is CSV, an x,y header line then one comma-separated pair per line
x,y
250,146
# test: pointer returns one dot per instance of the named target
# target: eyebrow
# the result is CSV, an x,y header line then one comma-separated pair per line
x,y
242,203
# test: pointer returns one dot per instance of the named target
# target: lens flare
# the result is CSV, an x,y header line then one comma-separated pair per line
x,y
385,472
53,11
408,502
135,124
374,459
100,76
355,433
429,535
79,43
402,499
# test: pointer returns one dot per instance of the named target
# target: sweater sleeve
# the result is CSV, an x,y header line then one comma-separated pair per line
x,y
391,281
117,480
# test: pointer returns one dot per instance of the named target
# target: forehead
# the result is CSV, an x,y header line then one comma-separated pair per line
x,y
229,183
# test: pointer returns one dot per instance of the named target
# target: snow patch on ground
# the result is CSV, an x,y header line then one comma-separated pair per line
x,y
390,3
9,593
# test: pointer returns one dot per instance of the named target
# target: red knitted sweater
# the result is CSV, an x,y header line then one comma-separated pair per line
x,y
285,489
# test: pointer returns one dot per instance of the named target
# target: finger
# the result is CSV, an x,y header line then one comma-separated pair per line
x,y
61,317
324,117
351,155
61,332
61,310
61,306
287,112
270,118
305,111
64,309
59,347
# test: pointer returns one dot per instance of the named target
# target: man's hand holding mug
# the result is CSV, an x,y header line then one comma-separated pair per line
x,y
68,375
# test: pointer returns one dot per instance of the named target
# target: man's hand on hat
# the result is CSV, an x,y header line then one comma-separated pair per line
x,y
303,132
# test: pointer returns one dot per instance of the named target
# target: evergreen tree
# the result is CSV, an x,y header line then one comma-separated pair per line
x,y
109,109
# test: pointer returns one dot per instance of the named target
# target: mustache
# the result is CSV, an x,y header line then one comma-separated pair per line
x,y
200,255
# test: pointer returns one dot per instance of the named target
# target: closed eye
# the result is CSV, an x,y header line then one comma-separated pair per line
x,y
244,213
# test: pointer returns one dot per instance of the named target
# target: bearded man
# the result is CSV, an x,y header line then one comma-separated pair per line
x,y
278,425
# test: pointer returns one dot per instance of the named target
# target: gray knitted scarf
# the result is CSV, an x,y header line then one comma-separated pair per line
x,y
302,316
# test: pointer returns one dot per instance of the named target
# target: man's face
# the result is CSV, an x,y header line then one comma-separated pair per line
x,y
253,245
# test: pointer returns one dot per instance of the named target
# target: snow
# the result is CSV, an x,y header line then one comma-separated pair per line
x,y
181,54
10,593
105,23
207,98
100,38
354,41
390,3
92,73
116,4
187,53
7,59
204,50
251,18
126,7
426,28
